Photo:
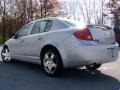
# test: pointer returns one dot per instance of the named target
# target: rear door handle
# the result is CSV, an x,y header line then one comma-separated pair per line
x,y
40,37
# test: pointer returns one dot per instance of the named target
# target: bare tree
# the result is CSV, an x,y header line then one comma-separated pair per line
x,y
88,10
113,13
3,14
15,13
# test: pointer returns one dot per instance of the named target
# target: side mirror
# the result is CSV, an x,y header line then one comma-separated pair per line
x,y
15,36
11,35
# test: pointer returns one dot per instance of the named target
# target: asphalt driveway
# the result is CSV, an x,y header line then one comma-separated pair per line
x,y
25,76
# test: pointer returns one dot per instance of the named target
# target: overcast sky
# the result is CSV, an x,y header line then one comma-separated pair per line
x,y
75,4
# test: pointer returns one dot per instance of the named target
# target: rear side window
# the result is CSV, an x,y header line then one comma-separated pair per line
x,y
39,27
48,26
42,26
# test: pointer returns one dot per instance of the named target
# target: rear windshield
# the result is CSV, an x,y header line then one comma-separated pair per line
x,y
73,23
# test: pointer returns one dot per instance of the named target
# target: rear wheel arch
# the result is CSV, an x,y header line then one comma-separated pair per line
x,y
57,60
46,47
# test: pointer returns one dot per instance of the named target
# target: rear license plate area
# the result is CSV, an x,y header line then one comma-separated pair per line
x,y
111,52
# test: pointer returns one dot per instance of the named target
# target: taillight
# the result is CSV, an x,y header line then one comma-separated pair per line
x,y
83,34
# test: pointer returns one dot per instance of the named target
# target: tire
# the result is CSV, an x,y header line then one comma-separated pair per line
x,y
93,66
5,54
52,62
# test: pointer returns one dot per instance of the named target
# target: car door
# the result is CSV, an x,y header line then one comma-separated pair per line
x,y
18,42
36,39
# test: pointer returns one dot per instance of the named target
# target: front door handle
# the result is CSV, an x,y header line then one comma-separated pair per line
x,y
40,37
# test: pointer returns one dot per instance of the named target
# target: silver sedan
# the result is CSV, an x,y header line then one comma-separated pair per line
x,y
58,43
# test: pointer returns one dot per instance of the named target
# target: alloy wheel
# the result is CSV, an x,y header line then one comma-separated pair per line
x,y
50,62
5,54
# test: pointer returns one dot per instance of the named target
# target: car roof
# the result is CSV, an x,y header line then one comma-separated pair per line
x,y
58,22
50,18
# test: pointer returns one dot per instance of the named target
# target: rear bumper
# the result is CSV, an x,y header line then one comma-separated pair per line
x,y
85,55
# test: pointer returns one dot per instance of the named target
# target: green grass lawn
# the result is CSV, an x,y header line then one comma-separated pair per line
x,y
1,40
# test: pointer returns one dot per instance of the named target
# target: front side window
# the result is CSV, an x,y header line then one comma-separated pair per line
x,y
25,30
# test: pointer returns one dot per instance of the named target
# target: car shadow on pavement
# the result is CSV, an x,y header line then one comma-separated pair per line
x,y
26,76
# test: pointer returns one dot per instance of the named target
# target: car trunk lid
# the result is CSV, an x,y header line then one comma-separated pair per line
x,y
102,34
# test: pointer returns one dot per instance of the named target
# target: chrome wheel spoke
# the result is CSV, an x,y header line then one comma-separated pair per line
x,y
46,64
50,69
53,65
6,58
6,51
46,56
3,54
52,56
49,63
